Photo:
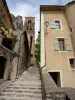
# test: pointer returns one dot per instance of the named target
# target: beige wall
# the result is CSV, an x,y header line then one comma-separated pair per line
x,y
71,20
57,60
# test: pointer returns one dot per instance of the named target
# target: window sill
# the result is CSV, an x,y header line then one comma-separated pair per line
x,y
59,29
56,29
72,68
62,51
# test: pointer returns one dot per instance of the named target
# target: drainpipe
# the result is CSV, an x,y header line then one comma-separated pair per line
x,y
45,62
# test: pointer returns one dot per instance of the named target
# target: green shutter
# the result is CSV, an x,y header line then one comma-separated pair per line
x,y
52,24
67,44
56,44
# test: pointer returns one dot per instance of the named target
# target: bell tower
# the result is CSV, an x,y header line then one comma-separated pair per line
x,y
29,27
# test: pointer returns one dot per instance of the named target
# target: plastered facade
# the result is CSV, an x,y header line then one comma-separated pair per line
x,y
56,60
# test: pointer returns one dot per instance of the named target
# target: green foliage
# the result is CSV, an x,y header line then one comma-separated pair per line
x,y
1,23
37,48
6,28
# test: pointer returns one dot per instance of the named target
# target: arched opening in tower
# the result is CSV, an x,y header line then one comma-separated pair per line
x,y
31,38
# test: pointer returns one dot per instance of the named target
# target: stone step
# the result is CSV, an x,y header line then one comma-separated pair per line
x,y
25,87
21,93
30,77
19,98
56,96
49,99
30,80
23,90
27,83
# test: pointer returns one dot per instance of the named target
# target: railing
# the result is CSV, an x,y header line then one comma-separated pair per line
x,y
42,83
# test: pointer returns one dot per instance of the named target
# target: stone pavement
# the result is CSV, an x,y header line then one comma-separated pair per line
x,y
27,87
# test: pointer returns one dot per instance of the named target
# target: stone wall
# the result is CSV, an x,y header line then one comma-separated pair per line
x,y
8,55
17,21
5,15
20,63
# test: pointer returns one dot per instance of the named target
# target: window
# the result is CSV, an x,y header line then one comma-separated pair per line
x,y
72,63
29,21
62,44
71,29
55,24
30,28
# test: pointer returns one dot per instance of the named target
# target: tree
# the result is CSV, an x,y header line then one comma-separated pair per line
x,y
37,47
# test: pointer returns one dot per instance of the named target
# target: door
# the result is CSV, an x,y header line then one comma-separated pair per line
x,y
2,66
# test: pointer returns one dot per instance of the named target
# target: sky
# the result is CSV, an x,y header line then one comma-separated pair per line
x,y
27,8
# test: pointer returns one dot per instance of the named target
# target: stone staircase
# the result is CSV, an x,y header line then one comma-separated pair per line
x,y
27,87
56,96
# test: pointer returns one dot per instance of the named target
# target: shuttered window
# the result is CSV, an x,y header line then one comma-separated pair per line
x,y
67,44
52,24
55,24
56,44
62,44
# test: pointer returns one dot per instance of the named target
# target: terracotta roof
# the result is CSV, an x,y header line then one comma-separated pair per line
x,y
6,7
52,8
72,2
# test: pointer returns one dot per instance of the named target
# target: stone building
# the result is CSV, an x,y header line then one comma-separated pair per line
x,y
29,27
15,45
57,47
6,42
5,16
9,44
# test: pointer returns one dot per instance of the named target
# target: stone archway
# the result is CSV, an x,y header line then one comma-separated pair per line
x,y
2,66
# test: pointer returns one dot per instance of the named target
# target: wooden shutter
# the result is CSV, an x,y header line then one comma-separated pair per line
x,y
56,44
74,62
67,44
52,24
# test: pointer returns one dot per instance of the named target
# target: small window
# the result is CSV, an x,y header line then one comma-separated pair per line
x,y
29,21
71,29
30,28
72,63
57,23
62,44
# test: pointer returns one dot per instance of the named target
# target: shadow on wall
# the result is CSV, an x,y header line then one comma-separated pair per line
x,y
2,66
23,53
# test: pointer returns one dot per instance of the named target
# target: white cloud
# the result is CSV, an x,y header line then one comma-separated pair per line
x,y
26,10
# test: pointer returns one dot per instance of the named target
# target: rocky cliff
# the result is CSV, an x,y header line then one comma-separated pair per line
x,y
17,21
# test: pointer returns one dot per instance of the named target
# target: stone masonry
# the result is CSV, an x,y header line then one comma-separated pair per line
x,y
27,87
